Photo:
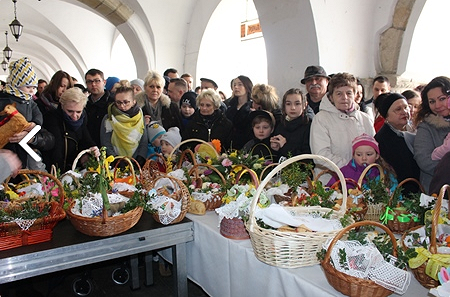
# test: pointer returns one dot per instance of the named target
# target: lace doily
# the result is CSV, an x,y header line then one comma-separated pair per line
x,y
24,224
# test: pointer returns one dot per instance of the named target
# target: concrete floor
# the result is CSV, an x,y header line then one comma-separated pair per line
x,y
59,284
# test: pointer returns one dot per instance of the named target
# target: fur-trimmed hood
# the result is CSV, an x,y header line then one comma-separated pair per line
x,y
141,98
437,121
165,100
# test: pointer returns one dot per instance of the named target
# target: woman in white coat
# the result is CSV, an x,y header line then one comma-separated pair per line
x,y
339,121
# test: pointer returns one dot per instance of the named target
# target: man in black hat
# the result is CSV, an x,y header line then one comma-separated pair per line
x,y
206,83
316,82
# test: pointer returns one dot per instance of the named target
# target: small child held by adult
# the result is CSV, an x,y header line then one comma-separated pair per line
x,y
170,140
365,152
155,132
263,123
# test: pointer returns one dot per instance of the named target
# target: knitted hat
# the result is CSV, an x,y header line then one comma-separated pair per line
x,y
154,130
138,82
384,102
21,74
172,136
110,82
365,139
189,98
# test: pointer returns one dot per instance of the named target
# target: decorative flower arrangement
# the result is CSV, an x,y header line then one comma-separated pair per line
x,y
237,202
96,190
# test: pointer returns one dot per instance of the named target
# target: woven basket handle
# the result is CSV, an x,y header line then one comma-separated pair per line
x,y
263,184
406,180
261,176
266,147
366,170
61,193
347,180
356,225
80,154
252,173
195,170
191,140
129,161
435,219
183,155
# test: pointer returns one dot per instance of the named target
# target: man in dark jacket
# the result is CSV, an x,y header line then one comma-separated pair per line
x,y
97,106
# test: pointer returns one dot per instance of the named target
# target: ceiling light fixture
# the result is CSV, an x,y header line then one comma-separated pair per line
x,y
7,51
15,26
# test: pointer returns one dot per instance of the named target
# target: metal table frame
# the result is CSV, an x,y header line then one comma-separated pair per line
x,y
70,248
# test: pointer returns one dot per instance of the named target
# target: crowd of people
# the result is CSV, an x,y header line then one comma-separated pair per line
x,y
407,134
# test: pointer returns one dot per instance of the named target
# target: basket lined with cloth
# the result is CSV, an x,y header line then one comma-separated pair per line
x,y
99,212
31,217
236,205
368,275
431,256
294,249
168,200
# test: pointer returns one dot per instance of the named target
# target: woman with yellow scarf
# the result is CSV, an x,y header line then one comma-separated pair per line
x,y
123,131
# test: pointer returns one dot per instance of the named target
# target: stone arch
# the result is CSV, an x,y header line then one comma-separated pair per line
x,y
395,41
132,23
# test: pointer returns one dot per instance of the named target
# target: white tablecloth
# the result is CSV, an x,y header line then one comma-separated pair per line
x,y
225,267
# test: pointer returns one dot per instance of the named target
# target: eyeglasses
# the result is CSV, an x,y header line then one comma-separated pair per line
x,y
96,81
400,109
124,103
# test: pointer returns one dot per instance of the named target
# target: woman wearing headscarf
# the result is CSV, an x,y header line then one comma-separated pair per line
x,y
394,141
123,130
19,90
68,124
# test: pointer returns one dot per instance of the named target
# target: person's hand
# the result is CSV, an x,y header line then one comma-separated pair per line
x,y
16,138
441,150
279,139
31,126
13,161
147,119
95,151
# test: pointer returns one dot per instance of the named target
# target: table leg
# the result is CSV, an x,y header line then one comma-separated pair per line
x,y
134,267
180,270
148,259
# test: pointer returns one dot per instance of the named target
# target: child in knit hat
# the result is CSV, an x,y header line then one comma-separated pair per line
x,y
170,140
187,106
155,132
365,151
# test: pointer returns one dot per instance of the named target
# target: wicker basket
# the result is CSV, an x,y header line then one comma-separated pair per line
x,y
154,166
132,179
394,224
288,249
358,215
195,141
234,228
350,285
180,193
419,272
374,211
105,226
216,199
12,236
